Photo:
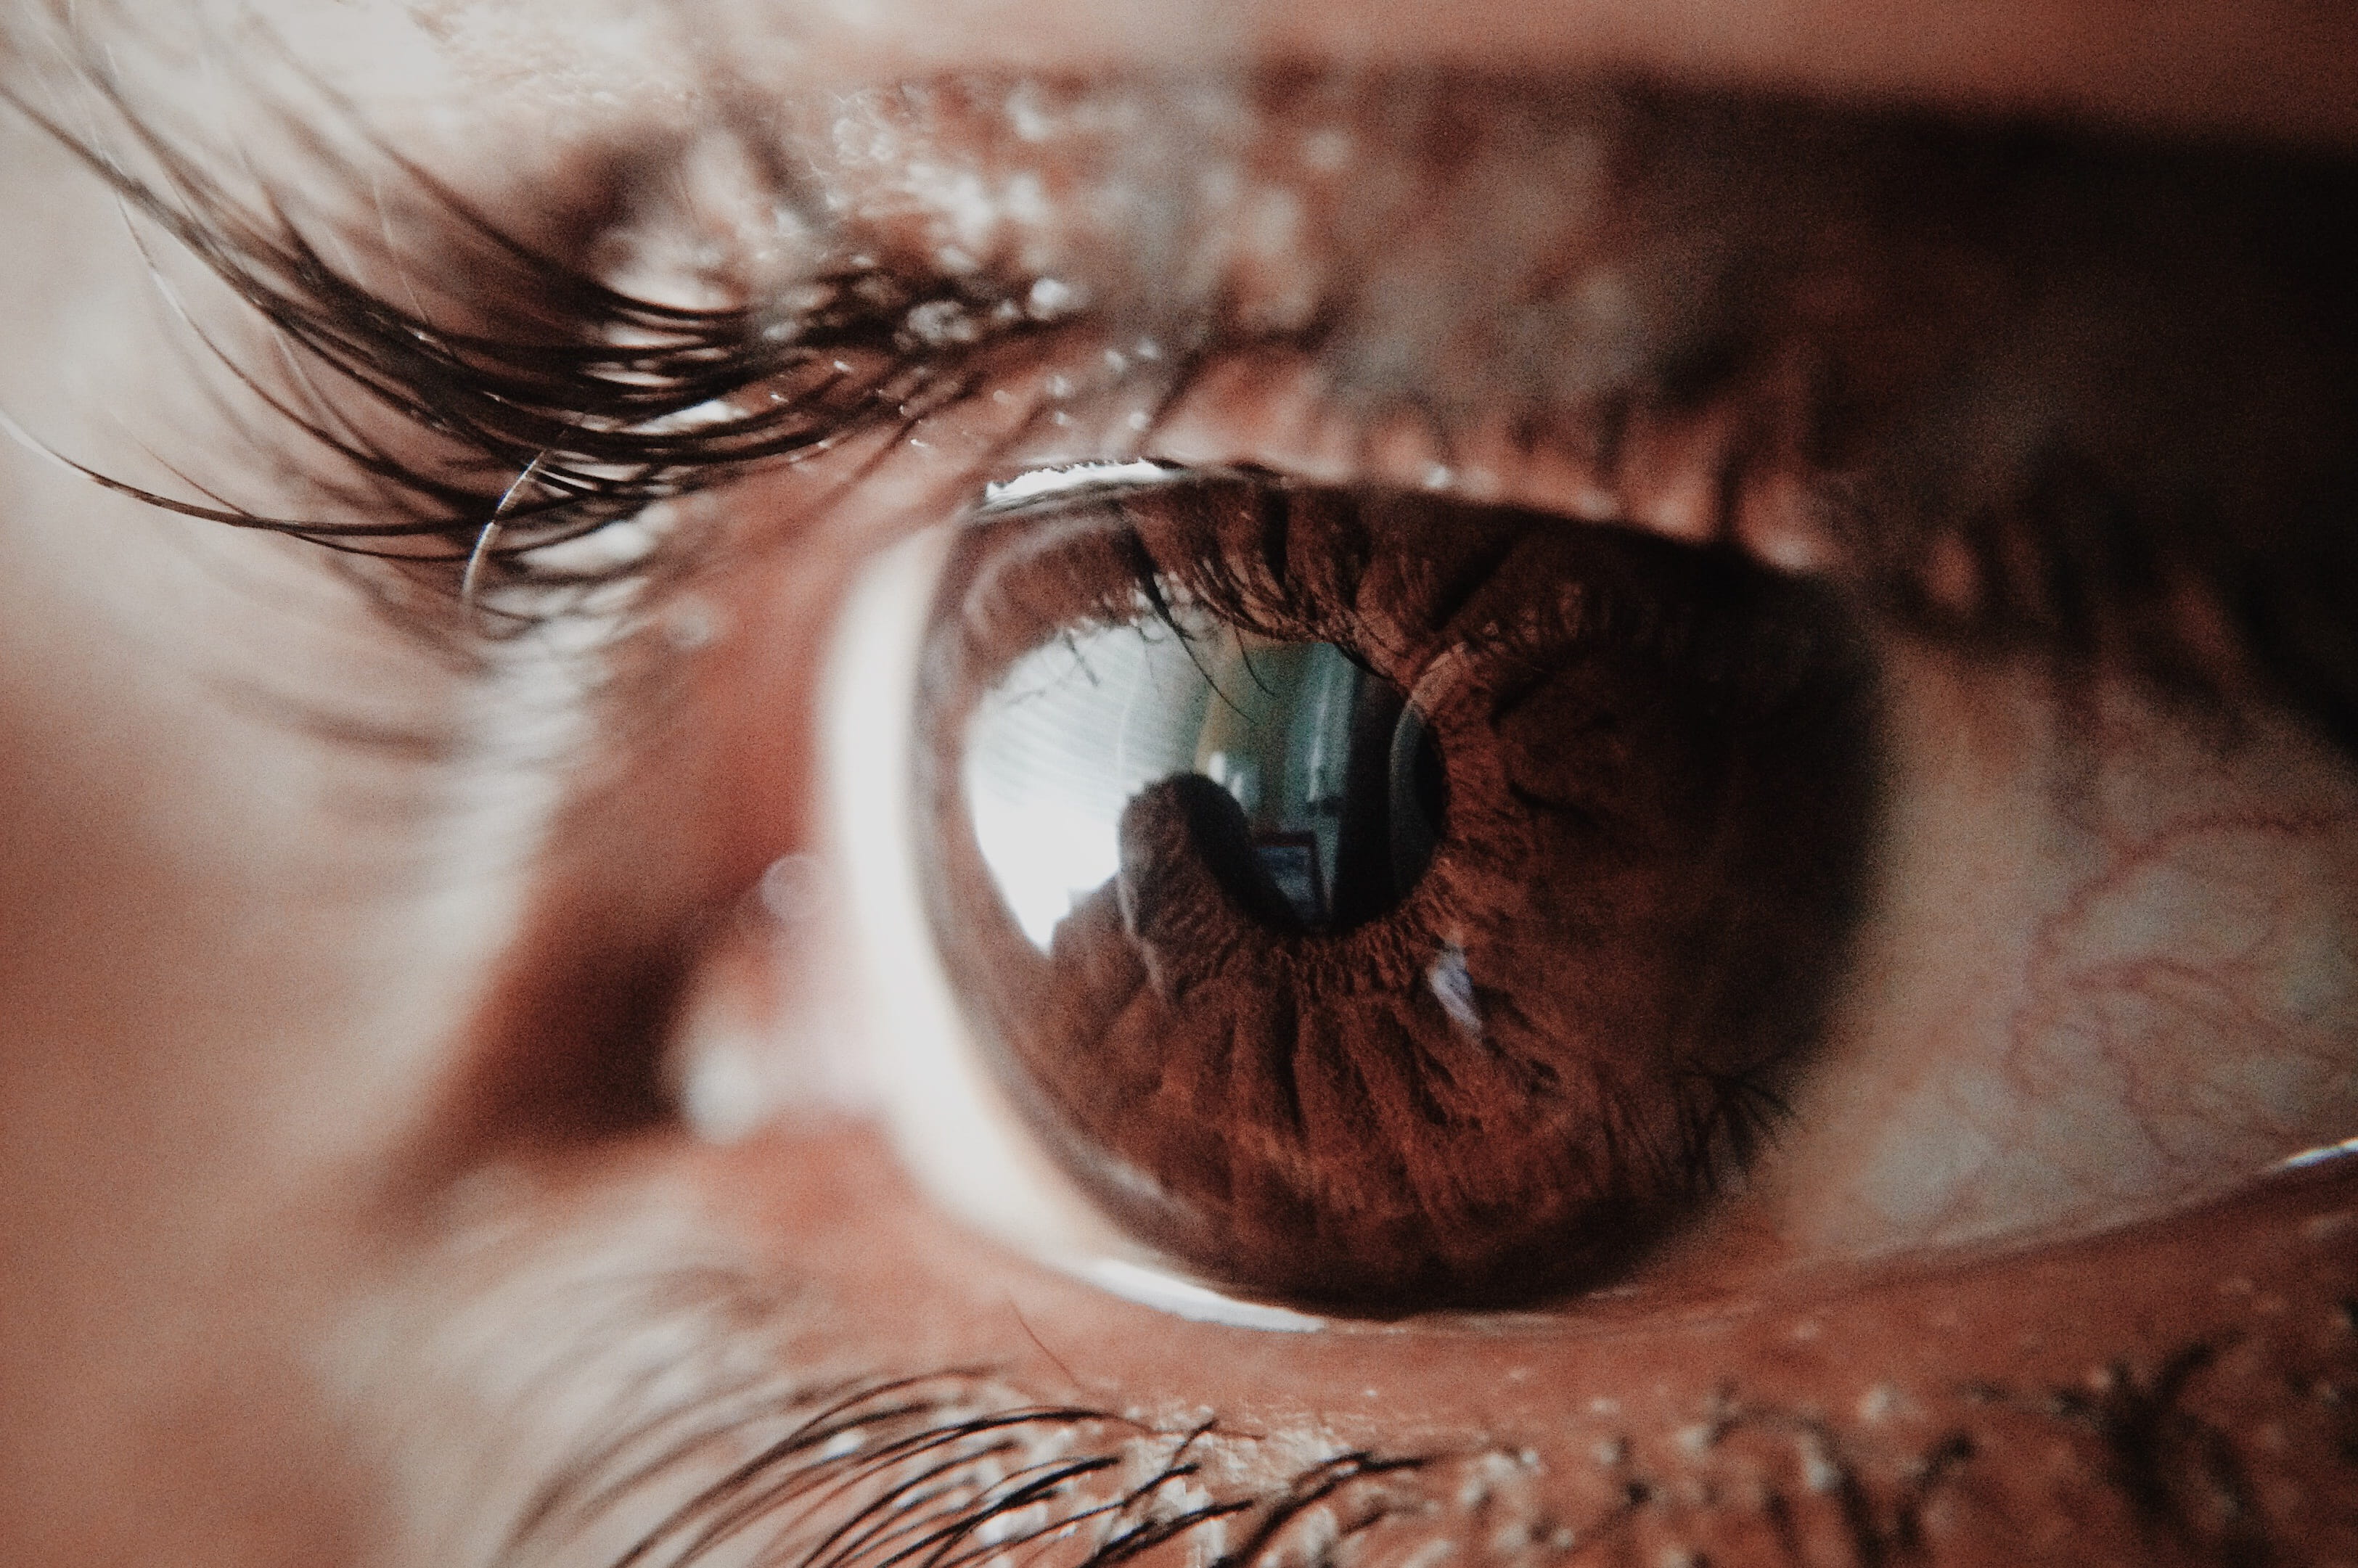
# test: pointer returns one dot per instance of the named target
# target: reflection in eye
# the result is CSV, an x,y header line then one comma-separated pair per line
x,y
1379,900
1329,791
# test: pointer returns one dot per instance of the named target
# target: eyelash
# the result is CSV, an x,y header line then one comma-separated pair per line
x,y
936,1469
586,407
921,1468
581,406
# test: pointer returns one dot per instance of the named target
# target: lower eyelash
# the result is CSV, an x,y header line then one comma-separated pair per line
x,y
947,1467
963,1469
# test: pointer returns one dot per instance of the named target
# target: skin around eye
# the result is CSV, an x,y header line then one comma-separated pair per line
x,y
210,1099
1547,1029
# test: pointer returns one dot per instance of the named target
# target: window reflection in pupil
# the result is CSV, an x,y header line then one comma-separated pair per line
x,y
1328,788
1411,903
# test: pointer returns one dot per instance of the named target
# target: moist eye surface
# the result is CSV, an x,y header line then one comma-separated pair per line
x,y
1384,901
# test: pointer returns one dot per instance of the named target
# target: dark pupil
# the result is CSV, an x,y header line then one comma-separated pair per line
x,y
1328,793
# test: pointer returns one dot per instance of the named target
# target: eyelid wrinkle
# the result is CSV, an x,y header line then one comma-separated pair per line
x,y
565,405
2033,385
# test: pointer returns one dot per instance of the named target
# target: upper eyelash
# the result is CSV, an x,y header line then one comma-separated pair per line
x,y
602,405
611,403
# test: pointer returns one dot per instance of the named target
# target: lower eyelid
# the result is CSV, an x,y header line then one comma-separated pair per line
x,y
1953,1410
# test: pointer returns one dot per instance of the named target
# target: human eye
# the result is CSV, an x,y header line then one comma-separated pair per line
x,y
1849,930
1179,749
2079,1013
1697,951
1380,899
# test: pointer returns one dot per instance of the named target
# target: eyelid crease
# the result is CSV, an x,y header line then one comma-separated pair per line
x,y
2074,473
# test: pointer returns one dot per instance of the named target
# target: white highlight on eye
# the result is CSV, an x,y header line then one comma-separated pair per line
x,y
2319,1155
1045,791
1165,1292
1453,989
1036,483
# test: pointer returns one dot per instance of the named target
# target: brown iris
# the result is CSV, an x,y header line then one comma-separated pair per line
x,y
1383,902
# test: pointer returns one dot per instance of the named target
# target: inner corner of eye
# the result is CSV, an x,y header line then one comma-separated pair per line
x,y
1375,900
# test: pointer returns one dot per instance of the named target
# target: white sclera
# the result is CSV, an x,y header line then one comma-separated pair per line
x,y
950,1122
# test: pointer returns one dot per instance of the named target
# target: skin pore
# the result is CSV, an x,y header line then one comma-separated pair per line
x,y
351,981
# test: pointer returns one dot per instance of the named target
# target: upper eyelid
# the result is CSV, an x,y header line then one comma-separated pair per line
x,y
615,437
553,380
